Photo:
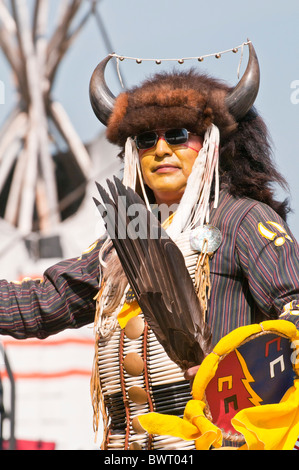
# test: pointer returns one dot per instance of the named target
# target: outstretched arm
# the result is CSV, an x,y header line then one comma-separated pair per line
x,y
63,299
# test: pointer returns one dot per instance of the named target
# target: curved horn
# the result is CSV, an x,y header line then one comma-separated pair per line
x,y
241,98
101,98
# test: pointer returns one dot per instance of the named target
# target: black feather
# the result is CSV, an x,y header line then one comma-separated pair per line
x,y
156,271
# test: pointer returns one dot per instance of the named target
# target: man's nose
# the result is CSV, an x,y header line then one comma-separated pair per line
x,y
162,148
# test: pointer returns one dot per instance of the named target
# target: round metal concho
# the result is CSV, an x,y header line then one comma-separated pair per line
x,y
205,238
133,364
134,328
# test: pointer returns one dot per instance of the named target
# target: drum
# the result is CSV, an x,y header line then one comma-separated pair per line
x,y
246,391
253,366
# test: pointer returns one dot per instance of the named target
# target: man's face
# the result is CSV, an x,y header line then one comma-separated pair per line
x,y
166,168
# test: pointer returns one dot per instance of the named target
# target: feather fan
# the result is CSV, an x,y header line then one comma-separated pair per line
x,y
157,274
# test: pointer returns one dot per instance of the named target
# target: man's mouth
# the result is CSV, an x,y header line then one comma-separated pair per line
x,y
166,168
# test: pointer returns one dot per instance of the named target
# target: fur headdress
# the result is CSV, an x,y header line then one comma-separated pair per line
x,y
172,100
168,101
194,101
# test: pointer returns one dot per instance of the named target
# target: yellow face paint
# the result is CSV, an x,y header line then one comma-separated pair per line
x,y
166,168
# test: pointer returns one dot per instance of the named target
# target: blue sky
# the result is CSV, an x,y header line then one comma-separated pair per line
x,y
173,29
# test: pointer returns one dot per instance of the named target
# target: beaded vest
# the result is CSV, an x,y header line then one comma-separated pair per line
x,y
136,376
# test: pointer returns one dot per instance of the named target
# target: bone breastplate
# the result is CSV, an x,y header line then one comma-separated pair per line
x,y
136,377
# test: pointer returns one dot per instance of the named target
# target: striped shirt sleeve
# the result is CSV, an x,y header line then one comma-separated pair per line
x,y
64,298
269,256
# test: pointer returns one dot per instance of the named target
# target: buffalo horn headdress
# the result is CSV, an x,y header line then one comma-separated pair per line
x,y
203,105
203,99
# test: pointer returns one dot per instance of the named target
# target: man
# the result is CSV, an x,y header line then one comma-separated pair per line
x,y
179,133
253,274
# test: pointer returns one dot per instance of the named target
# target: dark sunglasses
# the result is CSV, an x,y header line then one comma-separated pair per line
x,y
146,140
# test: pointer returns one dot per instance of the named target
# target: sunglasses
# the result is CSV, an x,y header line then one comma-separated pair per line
x,y
146,140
